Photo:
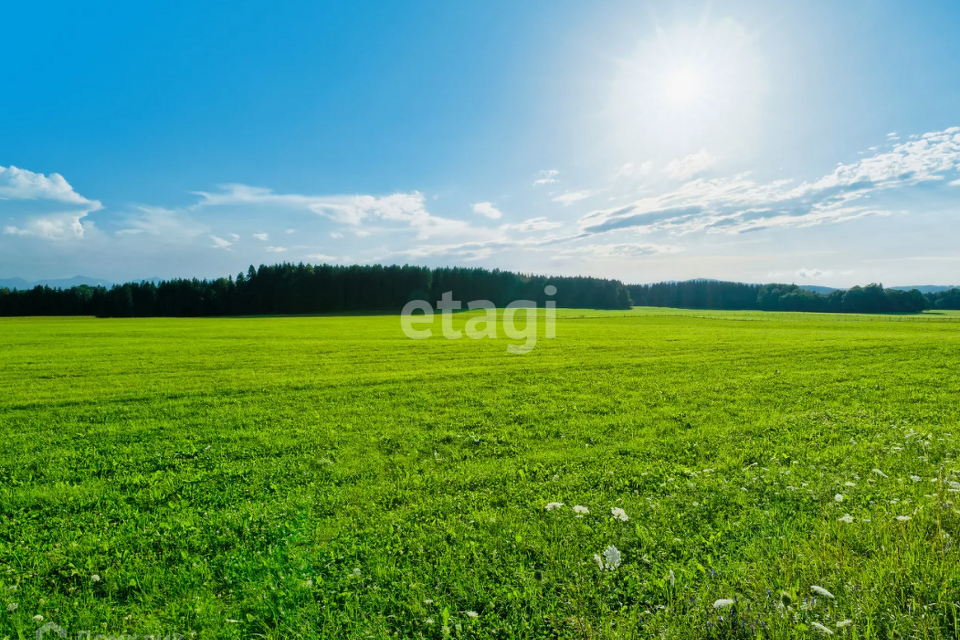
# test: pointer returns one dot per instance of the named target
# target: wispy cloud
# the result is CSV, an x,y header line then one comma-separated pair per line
x,y
690,166
739,204
634,169
532,224
220,243
276,249
487,209
263,237
569,197
168,224
813,274
547,176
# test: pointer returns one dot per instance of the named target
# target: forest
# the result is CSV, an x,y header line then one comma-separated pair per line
x,y
309,289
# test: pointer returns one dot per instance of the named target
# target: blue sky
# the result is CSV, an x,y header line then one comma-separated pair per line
x,y
811,142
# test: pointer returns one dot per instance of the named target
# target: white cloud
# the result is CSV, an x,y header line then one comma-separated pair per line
x,y
20,184
46,206
220,243
569,197
322,257
532,224
813,274
487,209
634,170
689,166
170,224
276,249
954,183
739,204
617,250
335,235
263,237
547,176
350,210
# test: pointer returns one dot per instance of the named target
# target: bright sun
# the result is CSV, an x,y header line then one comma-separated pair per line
x,y
682,86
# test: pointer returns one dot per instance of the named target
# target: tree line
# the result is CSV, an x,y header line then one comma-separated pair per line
x,y
303,289
712,294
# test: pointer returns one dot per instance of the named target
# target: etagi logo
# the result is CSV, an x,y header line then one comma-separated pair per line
x,y
482,326
52,630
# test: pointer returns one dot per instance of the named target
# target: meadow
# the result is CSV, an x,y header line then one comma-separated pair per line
x,y
646,474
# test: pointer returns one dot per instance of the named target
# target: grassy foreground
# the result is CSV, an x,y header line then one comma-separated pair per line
x,y
328,477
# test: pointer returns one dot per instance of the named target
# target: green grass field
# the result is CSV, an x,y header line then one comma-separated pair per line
x,y
328,477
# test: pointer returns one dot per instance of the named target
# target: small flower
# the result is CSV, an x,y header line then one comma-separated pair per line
x,y
916,478
903,518
723,603
38,618
429,620
612,556
94,578
553,505
822,629
472,614
880,473
580,510
849,484
838,498
672,578
844,623
846,518
428,601
821,591
231,621
598,560
12,606
619,514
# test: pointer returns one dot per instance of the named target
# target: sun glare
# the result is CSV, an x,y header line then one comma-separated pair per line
x,y
683,86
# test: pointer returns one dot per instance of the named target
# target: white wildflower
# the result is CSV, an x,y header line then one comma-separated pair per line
x,y
838,498
846,518
672,578
903,518
472,614
723,602
428,601
553,505
94,578
38,618
849,484
580,510
822,629
823,592
231,621
12,606
429,620
844,623
619,514
880,473
916,478
613,557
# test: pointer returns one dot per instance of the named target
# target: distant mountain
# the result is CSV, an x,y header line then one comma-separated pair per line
x,y
928,288
62,283
824,291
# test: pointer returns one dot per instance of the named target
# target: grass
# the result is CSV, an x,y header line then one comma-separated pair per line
x,y
327,477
